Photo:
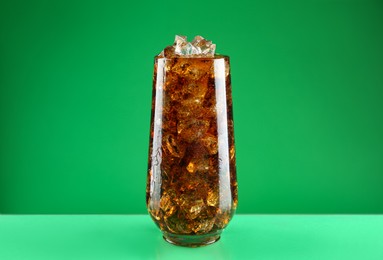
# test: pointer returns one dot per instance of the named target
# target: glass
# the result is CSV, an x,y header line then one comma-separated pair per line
x,y
191,186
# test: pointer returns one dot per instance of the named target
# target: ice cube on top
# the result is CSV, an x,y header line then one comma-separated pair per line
x,y
199,47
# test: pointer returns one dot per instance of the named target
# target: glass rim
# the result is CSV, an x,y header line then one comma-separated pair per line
x,y
216,56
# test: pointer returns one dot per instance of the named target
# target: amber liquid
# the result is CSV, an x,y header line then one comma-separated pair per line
x,y
191,185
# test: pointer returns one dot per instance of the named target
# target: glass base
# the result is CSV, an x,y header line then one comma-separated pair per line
x,y
192,240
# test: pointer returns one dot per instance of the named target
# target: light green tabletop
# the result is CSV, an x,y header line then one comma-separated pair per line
x,y
136,237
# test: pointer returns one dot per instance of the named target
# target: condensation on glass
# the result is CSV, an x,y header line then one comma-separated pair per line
x,y
191,186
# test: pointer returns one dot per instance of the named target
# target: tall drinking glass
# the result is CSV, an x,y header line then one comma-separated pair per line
x,y
191,185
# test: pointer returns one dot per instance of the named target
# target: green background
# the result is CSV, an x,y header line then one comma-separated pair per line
x,y
75,96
